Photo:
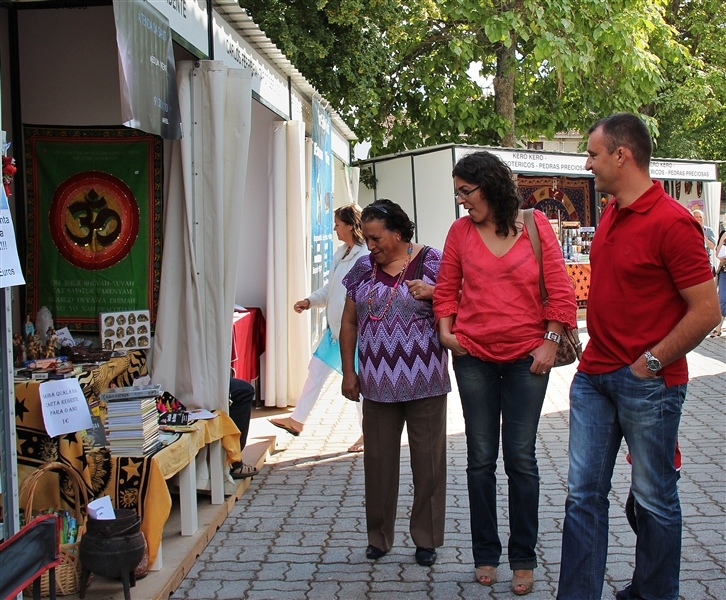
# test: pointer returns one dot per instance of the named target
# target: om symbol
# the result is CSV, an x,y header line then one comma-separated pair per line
x,y
96,219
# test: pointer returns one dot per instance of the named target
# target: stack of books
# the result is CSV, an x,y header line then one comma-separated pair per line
x,y
132,427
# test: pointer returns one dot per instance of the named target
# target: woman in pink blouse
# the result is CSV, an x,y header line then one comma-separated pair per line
x,y
503,341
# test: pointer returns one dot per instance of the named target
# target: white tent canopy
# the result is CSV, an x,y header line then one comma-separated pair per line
x,y
205,199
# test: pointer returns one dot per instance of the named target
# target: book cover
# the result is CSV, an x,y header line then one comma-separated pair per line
x,y
132,392
95,437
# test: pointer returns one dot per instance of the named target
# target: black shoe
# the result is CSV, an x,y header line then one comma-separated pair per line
x,y
374,553
425,556
623,594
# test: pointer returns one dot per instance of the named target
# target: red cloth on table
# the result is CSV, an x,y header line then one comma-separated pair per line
x,y
579,274
248,342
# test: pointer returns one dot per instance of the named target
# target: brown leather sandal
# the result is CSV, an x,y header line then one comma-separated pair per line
x,y
286,423
489,574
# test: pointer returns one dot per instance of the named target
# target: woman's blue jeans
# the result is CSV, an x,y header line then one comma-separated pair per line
x,y
508,393
604,409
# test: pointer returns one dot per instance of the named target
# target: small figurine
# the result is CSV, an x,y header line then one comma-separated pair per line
x,y
30,346
35,347
51,342
18,350
8,170
29,327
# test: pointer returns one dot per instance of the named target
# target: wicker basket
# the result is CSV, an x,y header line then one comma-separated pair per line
x,y
68,572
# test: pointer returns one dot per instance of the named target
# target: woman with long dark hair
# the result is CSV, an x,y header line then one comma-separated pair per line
x,y
503,341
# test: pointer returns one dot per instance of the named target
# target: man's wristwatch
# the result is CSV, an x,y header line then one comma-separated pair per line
x,y
552,336
651,362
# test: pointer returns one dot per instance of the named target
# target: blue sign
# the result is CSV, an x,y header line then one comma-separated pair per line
x,y
321,206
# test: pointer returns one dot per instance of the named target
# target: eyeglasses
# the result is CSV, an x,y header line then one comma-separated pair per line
x,y
383,209
465,193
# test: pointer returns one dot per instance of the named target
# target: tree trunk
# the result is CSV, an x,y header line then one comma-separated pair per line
x,y
504,90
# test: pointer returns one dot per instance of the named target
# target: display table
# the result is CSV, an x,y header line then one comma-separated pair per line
x,y
579,274
131,482
119,371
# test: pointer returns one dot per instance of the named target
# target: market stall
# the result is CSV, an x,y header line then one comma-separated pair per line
x,y
135,482
181,222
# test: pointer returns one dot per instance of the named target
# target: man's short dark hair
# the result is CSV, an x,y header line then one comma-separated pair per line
x,y
630,131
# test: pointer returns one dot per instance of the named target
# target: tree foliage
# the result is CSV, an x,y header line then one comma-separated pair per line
x,y
399,71
343,47
690,108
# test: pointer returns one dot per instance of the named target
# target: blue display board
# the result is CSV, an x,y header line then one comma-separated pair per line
x,y
321,206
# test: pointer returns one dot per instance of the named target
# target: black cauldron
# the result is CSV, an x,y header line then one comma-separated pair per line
x,y
111,556
126,521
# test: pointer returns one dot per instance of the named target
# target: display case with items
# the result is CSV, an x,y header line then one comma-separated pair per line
x,y
555,223
128,330
575,241
586,234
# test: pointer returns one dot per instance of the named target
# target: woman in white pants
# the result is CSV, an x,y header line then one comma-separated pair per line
x,y
331,297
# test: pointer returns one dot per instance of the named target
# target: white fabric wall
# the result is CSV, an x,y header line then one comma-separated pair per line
x,y
205,199
347,180
288,334
298,272
68,67
252,228
711,207
434,194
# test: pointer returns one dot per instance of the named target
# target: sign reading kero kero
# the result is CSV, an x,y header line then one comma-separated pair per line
x,y
65,409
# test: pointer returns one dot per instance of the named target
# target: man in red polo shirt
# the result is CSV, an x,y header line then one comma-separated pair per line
x,y
652,299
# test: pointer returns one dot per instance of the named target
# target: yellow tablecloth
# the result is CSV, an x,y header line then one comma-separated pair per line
x,y
138,483
178,455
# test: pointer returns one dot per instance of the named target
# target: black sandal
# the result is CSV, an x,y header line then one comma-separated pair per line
x,y
239,470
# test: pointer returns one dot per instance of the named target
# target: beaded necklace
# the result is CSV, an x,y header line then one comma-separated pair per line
x,y
401,275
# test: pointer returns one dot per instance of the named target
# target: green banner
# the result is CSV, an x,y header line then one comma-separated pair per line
x,y
94,223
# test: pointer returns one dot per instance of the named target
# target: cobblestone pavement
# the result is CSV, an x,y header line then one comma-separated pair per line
x,y
299,530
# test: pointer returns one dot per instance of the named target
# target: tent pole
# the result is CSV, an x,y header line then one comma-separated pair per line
x,y
9,462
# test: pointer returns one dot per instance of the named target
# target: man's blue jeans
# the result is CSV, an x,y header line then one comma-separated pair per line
x,y
490,392
604,409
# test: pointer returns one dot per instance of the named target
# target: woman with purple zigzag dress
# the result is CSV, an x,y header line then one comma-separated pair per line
x,y
403,377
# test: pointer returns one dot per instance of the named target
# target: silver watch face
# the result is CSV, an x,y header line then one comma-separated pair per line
x,y
551,335
651,362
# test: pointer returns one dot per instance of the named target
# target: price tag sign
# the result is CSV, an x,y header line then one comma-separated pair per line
x,y
10,273
64,337
65,409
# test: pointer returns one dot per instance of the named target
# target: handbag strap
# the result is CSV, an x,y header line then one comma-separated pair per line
x,y
419,267
533,233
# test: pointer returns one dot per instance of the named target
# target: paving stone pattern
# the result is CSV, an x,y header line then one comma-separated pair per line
x,y
299,530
